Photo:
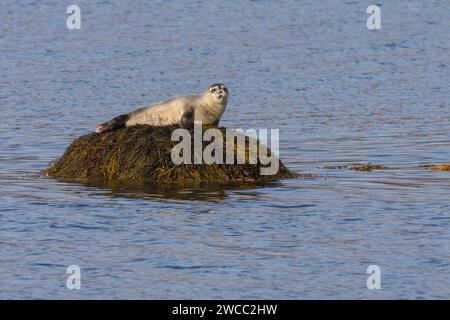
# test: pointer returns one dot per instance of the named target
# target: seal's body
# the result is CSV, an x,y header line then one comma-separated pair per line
x,y
207,107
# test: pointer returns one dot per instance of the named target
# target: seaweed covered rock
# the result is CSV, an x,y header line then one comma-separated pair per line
x,y
440,167
144,153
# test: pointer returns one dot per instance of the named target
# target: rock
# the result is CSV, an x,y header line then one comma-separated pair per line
x,y
143,153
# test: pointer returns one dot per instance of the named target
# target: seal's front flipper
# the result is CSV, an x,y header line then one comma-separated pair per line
x,y
187,119
116,123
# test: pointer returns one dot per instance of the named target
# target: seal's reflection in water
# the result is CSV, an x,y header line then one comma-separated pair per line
x,y
205,192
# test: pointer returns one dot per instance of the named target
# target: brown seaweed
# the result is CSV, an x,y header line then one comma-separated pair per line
x,y
143,153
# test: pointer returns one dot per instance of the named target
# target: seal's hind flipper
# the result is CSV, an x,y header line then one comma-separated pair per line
x,y
116,123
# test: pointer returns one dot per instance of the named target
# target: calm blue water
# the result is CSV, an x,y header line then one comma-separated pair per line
x,y
340,95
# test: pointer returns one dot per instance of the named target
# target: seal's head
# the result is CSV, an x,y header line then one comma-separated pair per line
x,y
219,93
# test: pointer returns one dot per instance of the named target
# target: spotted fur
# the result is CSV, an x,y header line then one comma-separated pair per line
x,y
207,107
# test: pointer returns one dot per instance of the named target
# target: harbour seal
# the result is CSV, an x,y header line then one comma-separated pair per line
x,y
206,107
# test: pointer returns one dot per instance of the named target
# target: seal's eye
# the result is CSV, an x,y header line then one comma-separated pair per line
x,y
225,89
213,90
